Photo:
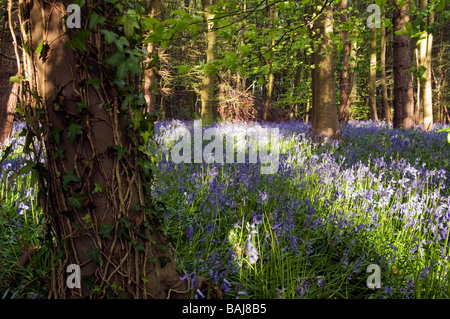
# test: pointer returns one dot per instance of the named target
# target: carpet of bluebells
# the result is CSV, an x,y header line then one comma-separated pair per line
x,y
381,196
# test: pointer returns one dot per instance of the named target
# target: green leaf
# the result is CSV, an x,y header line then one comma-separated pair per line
x,y
139,246
105,231
109,35
70,177
73,131
76,201
95,19
14,79
93,254
164,260
98,188
6,153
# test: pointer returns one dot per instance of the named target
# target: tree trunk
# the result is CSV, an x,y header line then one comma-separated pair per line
x,y
150,81
373,76
97,203
207,92
426,93
8,90
386,107
344,113
324,119
403,88
268,90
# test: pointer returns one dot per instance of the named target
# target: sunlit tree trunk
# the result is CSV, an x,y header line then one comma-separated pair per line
x,y
324,118
426,93
344,113
207,92
151,82
373,75
8,90
386,107
403,88
95,204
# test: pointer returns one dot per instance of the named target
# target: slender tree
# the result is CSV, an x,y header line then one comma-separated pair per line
x,y
151,82
403,88
383,79
344,113
373,75
207,92
426,92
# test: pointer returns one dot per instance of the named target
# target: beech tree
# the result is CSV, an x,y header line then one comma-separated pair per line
x,y
403,88
79,92
8,69
324,119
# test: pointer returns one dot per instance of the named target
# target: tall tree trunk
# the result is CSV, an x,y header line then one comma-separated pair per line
x,y
386,107
353,78
403,88
96,204
426,94
344,113
8,90
373,76
418,112
268,90
207,92
150,81
324,120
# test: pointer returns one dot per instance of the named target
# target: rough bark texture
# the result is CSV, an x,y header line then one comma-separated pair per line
x,y
8,90
373,76
344,113
426,93
128,259
383,80
403,88
207,92
325,120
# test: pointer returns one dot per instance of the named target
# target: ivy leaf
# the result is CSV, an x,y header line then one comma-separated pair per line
x,y
73,131
76,201
120,150
109,35
164,260
70,177
93,254
105,231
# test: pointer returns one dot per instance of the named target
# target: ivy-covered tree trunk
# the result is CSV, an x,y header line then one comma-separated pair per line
x,y
96,183
207,92
324,117
8,90
403,88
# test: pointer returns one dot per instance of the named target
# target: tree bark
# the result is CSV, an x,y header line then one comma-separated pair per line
x,y
8,90
373,76
96,206
403,88
344,113
426,93
207,92
386,107
324,120
151,82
